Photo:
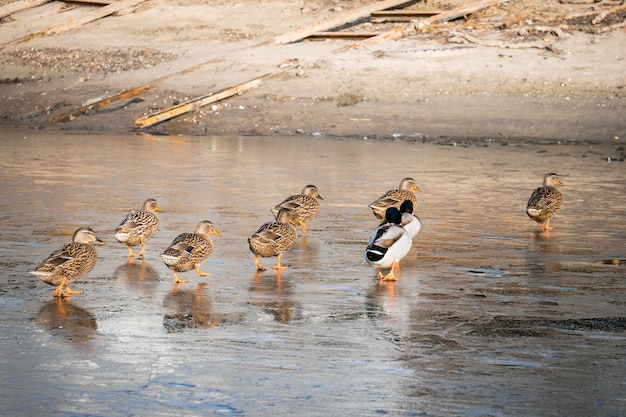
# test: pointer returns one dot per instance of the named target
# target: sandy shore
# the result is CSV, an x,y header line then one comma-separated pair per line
x,y
520,70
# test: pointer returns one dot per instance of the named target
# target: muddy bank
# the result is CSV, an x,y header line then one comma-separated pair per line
x,y
519,70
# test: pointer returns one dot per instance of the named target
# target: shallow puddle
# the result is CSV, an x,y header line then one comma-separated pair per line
x,y
488,317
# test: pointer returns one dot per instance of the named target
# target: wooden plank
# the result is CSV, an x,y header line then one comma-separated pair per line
x,y
198,102
406,13
78,21
401,15
100,2
18,6
408,30
126,94
342,35
396,33
460,11
328,24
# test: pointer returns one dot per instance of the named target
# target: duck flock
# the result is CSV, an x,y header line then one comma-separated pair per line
x,y
390,242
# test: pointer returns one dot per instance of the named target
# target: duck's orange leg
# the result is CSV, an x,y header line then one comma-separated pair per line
x,y
58,292
201,273
258,265
69,292
278,266
143,247
390,275
178,280
131,253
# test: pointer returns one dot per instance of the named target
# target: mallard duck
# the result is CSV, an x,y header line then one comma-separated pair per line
x,y
189,250
410,221
138,226
302,207
389,244
394,198
273,239
545,201
70,262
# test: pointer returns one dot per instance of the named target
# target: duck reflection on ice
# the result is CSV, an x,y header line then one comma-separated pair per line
x,y
275,297
138,274
192,309
61,317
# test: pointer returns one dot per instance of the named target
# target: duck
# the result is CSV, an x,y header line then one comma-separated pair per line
x,y
394,198
545,201
389,244
273,239
138,226
302,207
70,262
410,221
189,250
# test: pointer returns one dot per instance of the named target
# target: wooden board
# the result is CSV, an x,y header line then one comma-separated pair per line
x,y
342,35
18,6
408,30
198,102
78,21
328,24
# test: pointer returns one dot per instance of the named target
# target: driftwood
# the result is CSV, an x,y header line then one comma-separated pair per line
x,y
78,21
401,15
503,45
325,25
408,30
198,102
302,33
297,35
132,92
598,19
18,6
612,27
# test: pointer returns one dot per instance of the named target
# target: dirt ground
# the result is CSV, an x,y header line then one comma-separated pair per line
x,y
542,70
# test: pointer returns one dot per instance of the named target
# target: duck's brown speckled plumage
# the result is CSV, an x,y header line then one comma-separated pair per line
x,y
189,250
395,198
273,239
302,207
545,201
138,226
70,262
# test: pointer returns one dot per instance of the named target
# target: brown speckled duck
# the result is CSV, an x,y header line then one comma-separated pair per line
x,y
302,207
70,262
545,201
395,198
273,239
189,250
138,226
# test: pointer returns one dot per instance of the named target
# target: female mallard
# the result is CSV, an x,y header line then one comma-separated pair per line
x,y
138,226
273,239
302,207
70,262
189,250
394,198
410,221
389,244
545,201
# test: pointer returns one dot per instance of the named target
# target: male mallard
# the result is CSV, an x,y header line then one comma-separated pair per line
x,y
70,262
389,244
394,198
138,226
545,201
273,239
302,207
410,221
189,250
